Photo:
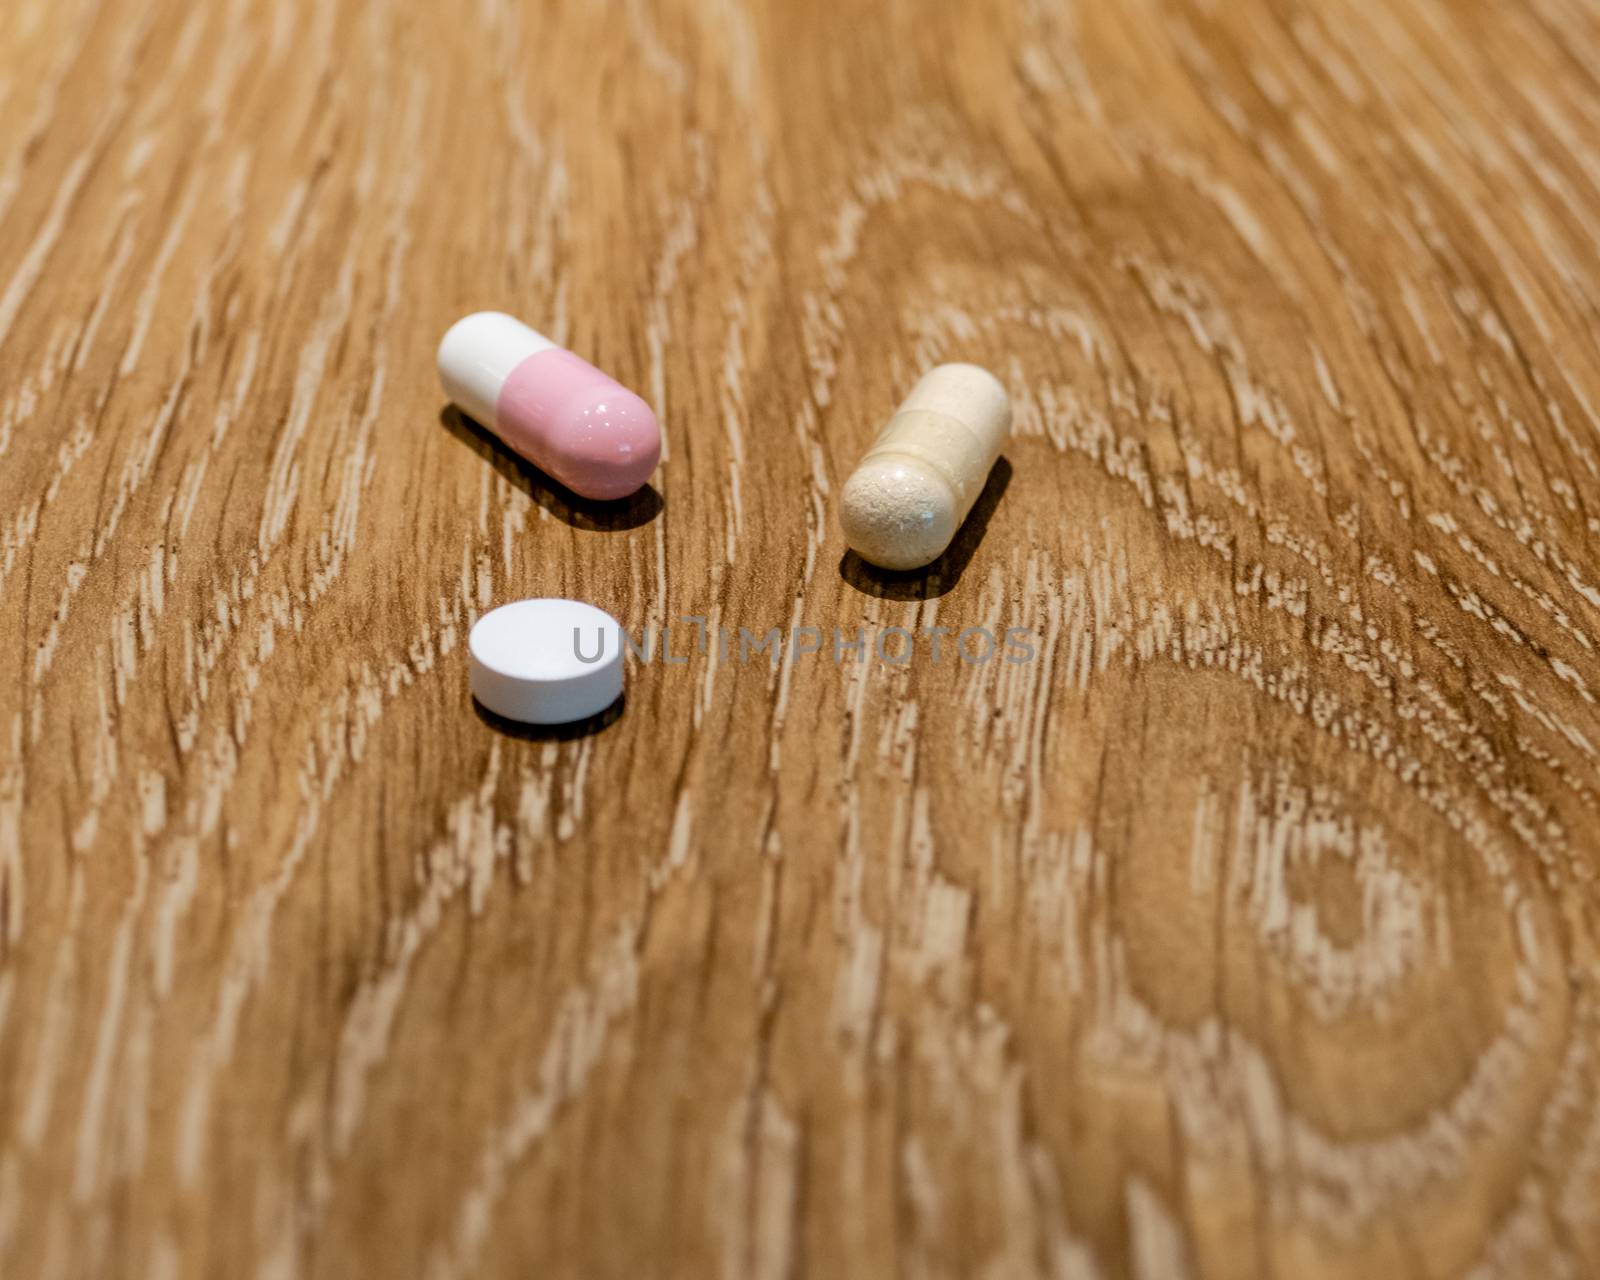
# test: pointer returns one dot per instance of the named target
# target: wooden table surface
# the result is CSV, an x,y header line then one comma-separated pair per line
x,y
1242,923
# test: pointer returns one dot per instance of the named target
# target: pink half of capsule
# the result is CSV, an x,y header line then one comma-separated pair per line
x,y
558,411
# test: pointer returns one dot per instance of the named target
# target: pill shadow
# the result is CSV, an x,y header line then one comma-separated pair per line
x,y
580,512
569,732
940,577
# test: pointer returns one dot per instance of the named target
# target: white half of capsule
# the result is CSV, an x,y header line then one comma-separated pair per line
x,y
478,354
909,495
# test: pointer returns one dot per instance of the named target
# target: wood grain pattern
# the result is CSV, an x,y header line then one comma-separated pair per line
x,y
1250,929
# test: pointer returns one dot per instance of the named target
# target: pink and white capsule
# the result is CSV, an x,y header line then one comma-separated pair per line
x,y
557,410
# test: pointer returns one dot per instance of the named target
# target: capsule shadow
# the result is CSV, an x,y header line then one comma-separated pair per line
x,y
569,732
940,577
580,512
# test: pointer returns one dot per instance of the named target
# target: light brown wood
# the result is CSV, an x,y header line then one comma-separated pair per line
x,y
1249,929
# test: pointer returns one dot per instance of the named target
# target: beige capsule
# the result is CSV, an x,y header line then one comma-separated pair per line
x,y
904,502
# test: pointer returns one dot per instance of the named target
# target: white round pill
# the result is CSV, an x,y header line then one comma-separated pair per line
x,y
546,661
